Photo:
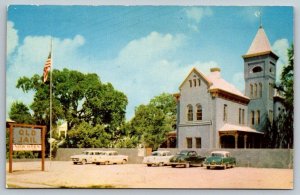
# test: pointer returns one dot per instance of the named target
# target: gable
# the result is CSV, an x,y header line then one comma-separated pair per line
x,y
195,75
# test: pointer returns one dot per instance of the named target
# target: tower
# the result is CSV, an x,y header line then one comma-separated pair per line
x,y
260,76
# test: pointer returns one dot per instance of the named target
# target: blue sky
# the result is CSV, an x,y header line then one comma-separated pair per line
x,y
142,50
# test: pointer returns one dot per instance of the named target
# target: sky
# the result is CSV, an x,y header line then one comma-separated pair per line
x,y
142,50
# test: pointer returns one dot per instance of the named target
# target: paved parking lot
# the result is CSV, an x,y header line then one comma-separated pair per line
x,y
63,174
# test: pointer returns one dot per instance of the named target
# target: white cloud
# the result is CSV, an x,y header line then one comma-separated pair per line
x,y
29,59
12,38
280,47
197,13
144,68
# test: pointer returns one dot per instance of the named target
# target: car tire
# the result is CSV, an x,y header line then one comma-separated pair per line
x,y
207,167
149,165
173,166
97,163
187,165
75,163
83,162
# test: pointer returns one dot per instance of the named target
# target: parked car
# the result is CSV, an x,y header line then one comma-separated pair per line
x,y
220,159
159,158
87,156
187,158
110,157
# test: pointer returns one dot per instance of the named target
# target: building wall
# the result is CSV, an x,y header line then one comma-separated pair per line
x,y
232,116
265,103
198,130
195,95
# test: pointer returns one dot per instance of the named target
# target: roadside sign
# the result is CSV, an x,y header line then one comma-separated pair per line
x,y
24,137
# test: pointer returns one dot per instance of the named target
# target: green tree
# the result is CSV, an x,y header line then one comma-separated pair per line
x,y
286,119
280,132
88,136
152,122
19,113
76,98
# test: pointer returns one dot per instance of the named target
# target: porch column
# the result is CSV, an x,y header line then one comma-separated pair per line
x,y
245,141
236,137
168,142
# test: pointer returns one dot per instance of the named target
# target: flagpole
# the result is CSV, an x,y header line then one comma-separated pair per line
x,y
50,155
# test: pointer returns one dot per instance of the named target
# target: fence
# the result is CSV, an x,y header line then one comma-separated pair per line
x,y
260,158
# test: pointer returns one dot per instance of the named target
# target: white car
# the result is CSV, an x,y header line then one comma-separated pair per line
x,y
87,156
110,157
159,158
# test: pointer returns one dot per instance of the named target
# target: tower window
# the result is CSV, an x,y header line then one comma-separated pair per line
x,y
256,69
251,91
271,91
190,83
190,112
258,117
255,90
195,83
260,90
199,82
252,118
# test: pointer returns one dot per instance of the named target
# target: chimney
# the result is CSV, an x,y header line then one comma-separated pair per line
x,y
216,72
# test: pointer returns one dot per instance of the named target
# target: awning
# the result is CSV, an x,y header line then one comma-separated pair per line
x,y
229,127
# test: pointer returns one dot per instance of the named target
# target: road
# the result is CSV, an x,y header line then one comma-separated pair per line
x,y
63,174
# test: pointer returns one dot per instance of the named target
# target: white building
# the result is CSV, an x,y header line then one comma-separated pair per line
x,y
211,113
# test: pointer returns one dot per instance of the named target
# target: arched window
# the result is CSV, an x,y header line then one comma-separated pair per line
x,y
260,90
190,83
199,112
255,90
256,69
190,112
199,82
251,91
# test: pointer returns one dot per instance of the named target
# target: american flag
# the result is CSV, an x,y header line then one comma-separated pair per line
x,y
47,67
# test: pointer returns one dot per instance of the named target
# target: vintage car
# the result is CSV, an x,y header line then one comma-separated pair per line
x,y
159,158
220,159
110,157
187,158
87,156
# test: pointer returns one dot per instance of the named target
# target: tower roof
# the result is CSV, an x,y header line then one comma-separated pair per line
x,y
260,44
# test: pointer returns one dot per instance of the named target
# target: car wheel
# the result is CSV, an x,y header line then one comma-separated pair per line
x,y
208,167
75,163
97,163
83,161
173,166
124,161
149,165
187,165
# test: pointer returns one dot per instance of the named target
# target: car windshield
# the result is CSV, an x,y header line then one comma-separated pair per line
x,y
155,154
217,154
183,152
